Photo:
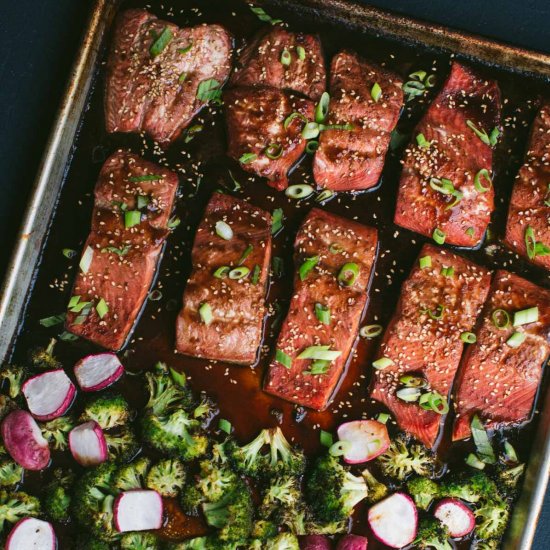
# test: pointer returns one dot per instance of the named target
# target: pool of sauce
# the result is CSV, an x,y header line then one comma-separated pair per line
x,y
203,168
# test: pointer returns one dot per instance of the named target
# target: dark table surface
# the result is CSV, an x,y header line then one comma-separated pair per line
x,y
38,40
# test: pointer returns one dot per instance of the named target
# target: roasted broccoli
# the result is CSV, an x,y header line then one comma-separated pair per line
x,y
263,530
404,458
249,458
57,496
10,472
205,410
432,534
167,477
132,475
491,518
508,478
492,544
6,406
283,493
14,376
215,480
167,390
377,489
210,542
284,459
86,542
43,358
109,411
123,445
56,431
332,491
283,541
423,491
139,541
17,505
191,499
472,488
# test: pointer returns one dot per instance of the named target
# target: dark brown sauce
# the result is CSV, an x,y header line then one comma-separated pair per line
x,y
237,390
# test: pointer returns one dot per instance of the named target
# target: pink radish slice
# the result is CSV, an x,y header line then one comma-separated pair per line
x,y
352,542
49,394
314,542
96,372
366,439
24,442
87,444
138,511
32,534
456,516
394,520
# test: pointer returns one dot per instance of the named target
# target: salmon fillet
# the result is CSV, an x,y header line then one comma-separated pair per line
x,y
122,257
424,340
497,381
153,84
350,160
335,241
530,202
237,305
450,157
257,136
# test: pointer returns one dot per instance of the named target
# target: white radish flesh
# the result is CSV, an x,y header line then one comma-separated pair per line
x,y
138,511
87,444
32,534
49,394
96,372
365,440
456,516
394,520
24,441
352,542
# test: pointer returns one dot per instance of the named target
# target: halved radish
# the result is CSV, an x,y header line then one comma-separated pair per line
x,y
315,542
138,510
24,442
366,439
96,372
87,444
49,394
352,542
456,516
32,534
394,520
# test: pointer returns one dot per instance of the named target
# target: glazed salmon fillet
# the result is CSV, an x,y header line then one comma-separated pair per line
x,y
440,300
324,245
155,71
230,329
257,136
527,229
498,379
133,202
352,159
451,150
283,60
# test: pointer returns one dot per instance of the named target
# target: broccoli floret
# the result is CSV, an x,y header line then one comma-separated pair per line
x,y
109,411
377,489
139,541
284,492
432,534
86,542
190,499
17,505
232,514
423,491
132,475
328,528
332,491
283,541
43,358
167,477
56,431
493,544
57,496
215,481
10,472
249,459
176,434
508,478
6,406
263,530
205,410
284,459
210,542
404,458
123,446
472,488
14,376
492,518
167,390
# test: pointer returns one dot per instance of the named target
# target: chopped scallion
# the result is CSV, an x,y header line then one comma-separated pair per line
x,y
205,312
247,251
317,368
173,222
439,236
307,266
162,40
225,426
325,195
412,381
286,58
186,49
422,142
326,438
425,261
468,337
247,158
222,272
69,253
500,318
410,395
146,177
339,448
443,185
102,308
277,220
526,316
481,440
310,130
483,174
448,271
301,52
370,331
86,260
277,265
321,110
376,91
300,191
283,358
533,247
263,16
132,218
311,146
322,313
256,274
348,274
155,295
273,151
142,201
383,418
382,363
224,230
209,90
239,273
516,339
52,320
293,116
320,352
473,461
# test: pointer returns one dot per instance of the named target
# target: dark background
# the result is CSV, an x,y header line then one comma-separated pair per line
x,y
38,41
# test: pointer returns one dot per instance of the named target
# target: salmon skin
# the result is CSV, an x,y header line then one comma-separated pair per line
x,y
328,242
283,60
157,74
497,381
527,229
440,300
451,147
133,202
352,159
257,136
231,328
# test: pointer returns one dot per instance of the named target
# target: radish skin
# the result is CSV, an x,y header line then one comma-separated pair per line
x,y
24,441
88,445
315,542
456,516
32,534
352,542
96,372
138,510
366,440
394,520
49,394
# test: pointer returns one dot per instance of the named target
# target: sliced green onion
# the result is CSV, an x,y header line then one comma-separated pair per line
x,y
224,230
205,312
510,455
118,251
67,337
273,151
225,426
263,16
320,352
448,271
76,306
277,220
430,81
190,132
277,265
182,77
335,248
376,91
481,439
500,318
247,251
69,253
436,314
436,402
418,75
458,195
413,88
286,58
300,191
473,461
155,295
493,136
468,337
209,90
443,185
283,358
146,177
239,273
256,274
410,395
187,48
483,174
301,52
317,368
52,320
339,448
142,201
86,260
516,339
247,158
382,363
322,313
412,381
173,222
470,231
102,308
348,127
424,401
161,42
422,142
526,316
425,261
291,117
132,218
311,146
321,110
490,140
533,247
325,195
236,184
370,331
310,130
326,438
348,274
307,266
383,418
439,236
